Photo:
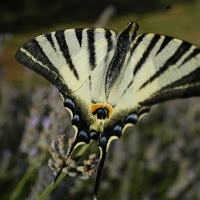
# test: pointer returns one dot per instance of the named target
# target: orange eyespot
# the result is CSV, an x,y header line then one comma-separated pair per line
x,y
94,107
110,110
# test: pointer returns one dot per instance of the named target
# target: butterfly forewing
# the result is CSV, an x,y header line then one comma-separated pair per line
x,y
67,58
170,70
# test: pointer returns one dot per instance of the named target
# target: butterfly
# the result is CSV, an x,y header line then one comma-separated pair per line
x,y
109,80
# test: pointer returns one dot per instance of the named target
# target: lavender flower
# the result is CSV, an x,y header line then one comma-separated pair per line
x,y
73,168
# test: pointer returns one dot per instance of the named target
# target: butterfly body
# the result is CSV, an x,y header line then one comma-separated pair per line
x,y
108,81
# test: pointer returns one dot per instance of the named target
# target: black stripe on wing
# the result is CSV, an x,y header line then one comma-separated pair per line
x,y
49,38
139,39
192,55
60,36
32,56
182,49
108,37
164,44
79,35
187,86
127,88
90,82
91,48
146,53
189,79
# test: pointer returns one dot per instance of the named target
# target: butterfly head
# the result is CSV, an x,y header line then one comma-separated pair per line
x,y
133,26
132,29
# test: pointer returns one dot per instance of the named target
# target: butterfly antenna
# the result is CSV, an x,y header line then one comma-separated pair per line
x,y
99,172
156,13
129,19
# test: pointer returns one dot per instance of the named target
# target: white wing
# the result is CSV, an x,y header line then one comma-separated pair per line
x,y
67,58
157,68
171,69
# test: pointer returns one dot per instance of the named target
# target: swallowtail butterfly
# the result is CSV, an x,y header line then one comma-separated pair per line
x,y
108,81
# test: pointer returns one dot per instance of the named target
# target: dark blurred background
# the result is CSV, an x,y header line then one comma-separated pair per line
x,y
159,159
29,14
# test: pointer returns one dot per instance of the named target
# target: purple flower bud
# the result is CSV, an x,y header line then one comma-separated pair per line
x,y
46,122
34,122
33,151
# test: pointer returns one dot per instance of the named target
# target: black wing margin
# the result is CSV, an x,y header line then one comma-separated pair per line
x,y
32,56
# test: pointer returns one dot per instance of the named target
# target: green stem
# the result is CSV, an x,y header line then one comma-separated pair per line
x,y
51,187
19,189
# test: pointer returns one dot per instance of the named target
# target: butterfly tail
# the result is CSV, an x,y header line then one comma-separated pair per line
x,y
73,146
103,151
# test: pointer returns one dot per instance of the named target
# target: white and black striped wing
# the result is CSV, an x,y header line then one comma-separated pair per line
x,y
167,68
157,68
67,58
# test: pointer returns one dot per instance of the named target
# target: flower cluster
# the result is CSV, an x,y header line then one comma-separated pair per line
x,y
72,167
